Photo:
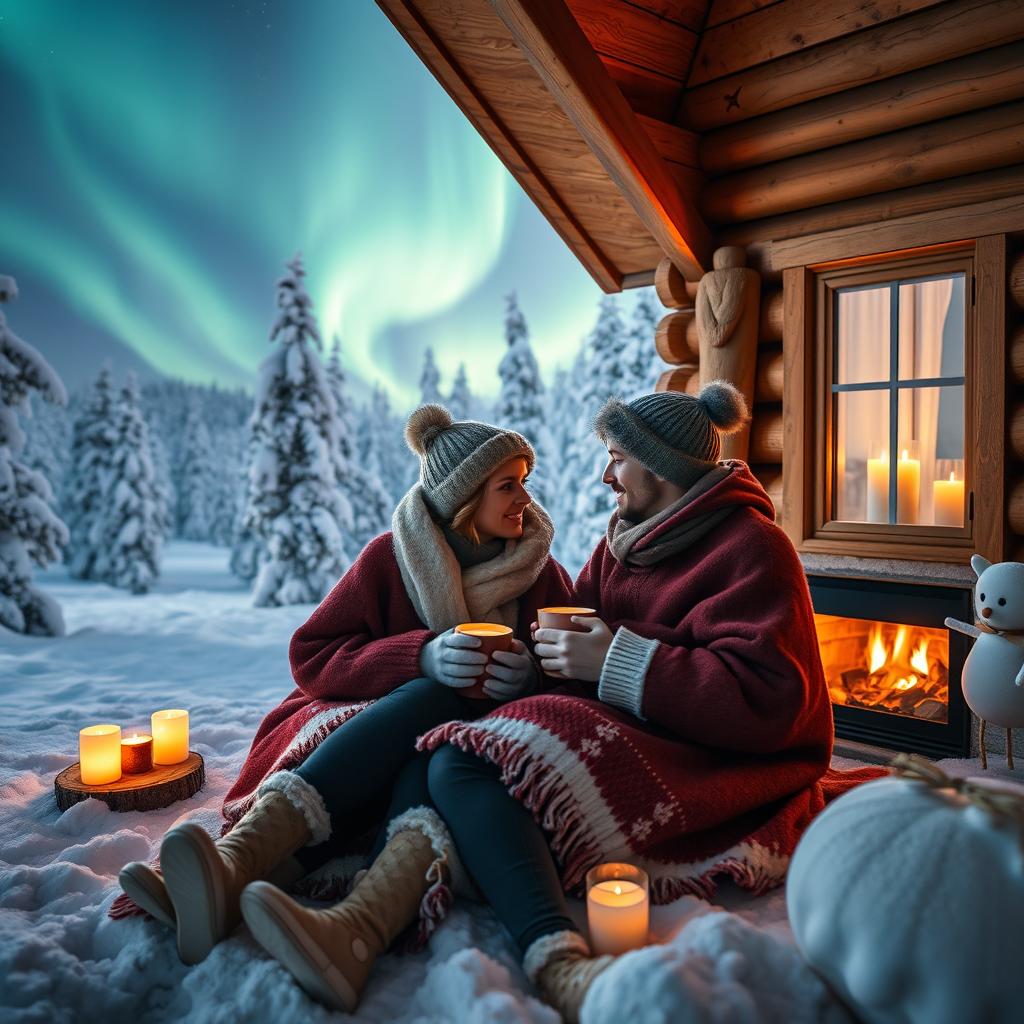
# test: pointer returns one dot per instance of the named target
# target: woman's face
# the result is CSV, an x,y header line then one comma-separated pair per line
x,y
501,512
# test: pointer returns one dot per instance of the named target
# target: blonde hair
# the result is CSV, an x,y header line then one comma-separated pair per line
x,y
462,521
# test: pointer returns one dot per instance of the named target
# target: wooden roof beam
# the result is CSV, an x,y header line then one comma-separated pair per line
x,y
555,45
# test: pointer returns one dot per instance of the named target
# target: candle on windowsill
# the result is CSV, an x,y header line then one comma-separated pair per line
x,y
99,754
878,489
618,908
949,501
908,488
137,754
170,736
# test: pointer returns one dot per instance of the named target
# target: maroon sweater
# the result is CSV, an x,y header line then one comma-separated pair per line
x,y
737,665
363,641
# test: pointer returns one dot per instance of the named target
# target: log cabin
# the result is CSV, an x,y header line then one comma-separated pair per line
x,y
843,182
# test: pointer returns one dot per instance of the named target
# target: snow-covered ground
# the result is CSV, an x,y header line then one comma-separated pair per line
x,y
196,642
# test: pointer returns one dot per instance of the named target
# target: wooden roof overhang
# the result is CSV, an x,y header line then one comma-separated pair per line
x,y
608,179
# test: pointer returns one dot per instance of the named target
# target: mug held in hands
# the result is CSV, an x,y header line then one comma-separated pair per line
x,y
560,617
493,637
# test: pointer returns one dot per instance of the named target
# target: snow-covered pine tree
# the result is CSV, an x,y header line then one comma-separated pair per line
x,y
363,489
196,480
565,424
430,380
132,522
521,405
460,401
294,503
382,432
30,531
604,374
162,486
227,453
641,355
92,443
47,442
245,544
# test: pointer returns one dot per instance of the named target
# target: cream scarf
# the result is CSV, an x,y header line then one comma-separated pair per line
x,y
442,592
624,536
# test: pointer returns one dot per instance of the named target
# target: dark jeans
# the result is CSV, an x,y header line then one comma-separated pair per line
x,y
372,759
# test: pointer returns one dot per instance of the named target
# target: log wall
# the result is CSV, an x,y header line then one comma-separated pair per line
x,y
1015,397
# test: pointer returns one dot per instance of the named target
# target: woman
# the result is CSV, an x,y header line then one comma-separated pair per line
x,y
467,544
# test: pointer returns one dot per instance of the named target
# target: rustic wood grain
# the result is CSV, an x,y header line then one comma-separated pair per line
x,y
688,13
980,140
547,34
635,36
773,314
771,375
165,784
798,297
685,379
943,90
677,339
1017,354
673,290
1016,280
937,34
942,196
785,28
726,10
766,435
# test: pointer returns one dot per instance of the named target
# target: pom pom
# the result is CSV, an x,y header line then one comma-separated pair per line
x,y
424,425
724,405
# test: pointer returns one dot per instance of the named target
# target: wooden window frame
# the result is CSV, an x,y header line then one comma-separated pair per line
x,y
807,408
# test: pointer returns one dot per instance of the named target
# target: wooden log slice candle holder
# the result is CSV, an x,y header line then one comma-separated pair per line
x,y
165,784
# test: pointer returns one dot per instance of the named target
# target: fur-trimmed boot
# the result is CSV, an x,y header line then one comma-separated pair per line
x,y
563,969
330,952
205,879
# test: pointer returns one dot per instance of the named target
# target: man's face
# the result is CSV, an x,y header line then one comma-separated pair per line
x,y
638,492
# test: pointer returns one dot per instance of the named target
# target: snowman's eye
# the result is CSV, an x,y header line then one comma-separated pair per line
x,y
1002,600
982,596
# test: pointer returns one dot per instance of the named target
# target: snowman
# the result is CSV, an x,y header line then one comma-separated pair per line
x,y
993,676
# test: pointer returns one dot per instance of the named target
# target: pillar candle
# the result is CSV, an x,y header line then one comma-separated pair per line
x,y
908,488
170,736
137,754
99,754
949,501
617,914
878,489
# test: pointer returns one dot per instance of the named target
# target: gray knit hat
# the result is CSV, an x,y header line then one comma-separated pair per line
x,y
457,457
676,436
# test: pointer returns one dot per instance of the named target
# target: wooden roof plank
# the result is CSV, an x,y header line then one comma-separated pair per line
x,y
452,77
926,37
788,27
728,10
548,35
688,13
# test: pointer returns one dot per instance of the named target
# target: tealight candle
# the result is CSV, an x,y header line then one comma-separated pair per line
x,y
99,754
170,736
137,754
618,908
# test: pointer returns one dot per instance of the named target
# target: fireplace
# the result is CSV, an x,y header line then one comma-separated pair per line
x,y
892,667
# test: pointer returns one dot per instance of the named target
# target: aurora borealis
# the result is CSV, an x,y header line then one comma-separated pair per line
x,y
163,160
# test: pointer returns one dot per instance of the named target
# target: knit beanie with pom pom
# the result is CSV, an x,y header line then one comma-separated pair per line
x,y
456,457
676,436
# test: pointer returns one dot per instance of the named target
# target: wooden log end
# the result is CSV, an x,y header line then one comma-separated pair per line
x,y
685,379
164,785
772,315
673,290
676,337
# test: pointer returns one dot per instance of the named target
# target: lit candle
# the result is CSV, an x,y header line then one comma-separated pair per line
x,y
617,910
170,736
878,489
908,488
949,501
99,754
137,754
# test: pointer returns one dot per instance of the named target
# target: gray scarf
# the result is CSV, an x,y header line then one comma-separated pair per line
x,y
624,536
442,591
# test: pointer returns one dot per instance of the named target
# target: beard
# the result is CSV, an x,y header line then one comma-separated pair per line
x,y
639,500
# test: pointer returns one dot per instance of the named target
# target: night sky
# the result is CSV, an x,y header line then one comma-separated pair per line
x,y
162,160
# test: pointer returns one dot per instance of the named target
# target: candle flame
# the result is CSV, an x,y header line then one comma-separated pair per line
x,y
952,477
618,890
906,454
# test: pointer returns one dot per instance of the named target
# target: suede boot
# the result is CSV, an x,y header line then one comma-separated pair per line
x,y
330,952
144,885
563,968
205,879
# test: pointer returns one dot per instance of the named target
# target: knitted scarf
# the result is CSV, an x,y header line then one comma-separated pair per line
x,y
624,537
442,592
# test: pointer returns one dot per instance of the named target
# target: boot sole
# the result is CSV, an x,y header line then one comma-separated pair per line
x,y
146,889
192,873
268,913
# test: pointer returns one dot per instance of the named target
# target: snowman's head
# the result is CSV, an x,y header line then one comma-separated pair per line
x,y
999,593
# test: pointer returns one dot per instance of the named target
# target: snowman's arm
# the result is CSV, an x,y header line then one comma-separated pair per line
x,y
963,627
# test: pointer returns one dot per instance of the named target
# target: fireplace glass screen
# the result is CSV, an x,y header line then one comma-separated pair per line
x,y
889,667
